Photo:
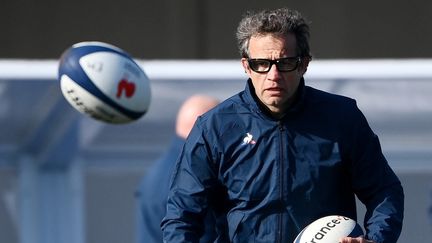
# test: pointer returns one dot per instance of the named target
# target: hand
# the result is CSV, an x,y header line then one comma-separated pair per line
x,y
355,240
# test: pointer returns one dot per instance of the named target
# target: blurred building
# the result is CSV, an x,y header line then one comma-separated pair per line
x,y
204,29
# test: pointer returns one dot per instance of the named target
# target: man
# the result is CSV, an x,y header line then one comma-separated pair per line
x,y
153,190
284,154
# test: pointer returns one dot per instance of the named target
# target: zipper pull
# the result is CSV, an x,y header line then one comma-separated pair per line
x,y
281,125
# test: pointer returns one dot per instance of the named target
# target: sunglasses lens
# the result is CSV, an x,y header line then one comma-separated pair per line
x,y
259,66
286,65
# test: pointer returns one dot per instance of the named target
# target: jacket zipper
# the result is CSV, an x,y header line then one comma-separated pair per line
x,y
281,180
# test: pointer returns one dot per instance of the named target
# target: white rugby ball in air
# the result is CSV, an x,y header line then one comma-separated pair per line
x,y
104,82
329,229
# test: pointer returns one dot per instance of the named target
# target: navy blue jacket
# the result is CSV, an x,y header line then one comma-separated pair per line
x,y
280,175
152,196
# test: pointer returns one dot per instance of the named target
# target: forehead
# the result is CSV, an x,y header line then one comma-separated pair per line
x,y
273,45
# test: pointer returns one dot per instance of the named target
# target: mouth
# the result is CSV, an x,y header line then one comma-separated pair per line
x,y
275,89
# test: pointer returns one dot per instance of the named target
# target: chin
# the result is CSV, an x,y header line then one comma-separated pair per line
x,y
274,102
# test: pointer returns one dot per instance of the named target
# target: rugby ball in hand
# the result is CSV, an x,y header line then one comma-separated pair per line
x,y
104,82
329,229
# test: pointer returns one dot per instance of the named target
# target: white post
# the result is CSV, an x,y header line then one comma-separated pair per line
x,y
51,205
28,201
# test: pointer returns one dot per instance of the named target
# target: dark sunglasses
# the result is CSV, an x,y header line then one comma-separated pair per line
x,y
286,64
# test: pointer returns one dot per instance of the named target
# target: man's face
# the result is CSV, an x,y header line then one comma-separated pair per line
x,y
275,89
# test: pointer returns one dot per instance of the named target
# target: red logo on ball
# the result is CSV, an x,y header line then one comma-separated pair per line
x,y
126,87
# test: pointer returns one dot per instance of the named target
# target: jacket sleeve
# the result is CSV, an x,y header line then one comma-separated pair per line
x,y
375,184
187,198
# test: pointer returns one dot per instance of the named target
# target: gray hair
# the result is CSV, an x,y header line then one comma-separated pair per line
x,y
278,22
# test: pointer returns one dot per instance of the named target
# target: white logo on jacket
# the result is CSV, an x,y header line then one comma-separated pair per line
x,y
248,139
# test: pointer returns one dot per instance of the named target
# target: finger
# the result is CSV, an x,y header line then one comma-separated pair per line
x,y
345,240
351,240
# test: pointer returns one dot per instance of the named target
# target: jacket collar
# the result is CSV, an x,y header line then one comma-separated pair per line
x,y
259,107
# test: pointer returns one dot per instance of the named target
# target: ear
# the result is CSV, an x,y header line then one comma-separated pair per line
x,y
304,65
245,65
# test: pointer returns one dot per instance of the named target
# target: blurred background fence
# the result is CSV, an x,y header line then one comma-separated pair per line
x,y
65,178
